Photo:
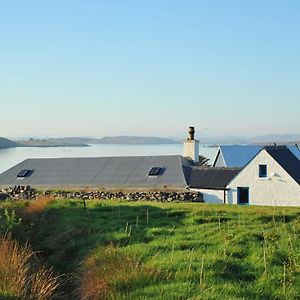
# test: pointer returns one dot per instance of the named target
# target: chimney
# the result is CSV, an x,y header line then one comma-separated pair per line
x,y
191,133
191,146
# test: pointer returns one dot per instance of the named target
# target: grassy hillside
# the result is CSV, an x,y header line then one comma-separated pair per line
x,y
148,250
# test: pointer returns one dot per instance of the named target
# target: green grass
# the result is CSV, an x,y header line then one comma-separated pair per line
x,y
150,250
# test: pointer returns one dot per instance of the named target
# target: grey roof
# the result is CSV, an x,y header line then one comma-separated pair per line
x,y
211,178
286,158
94,172
238,156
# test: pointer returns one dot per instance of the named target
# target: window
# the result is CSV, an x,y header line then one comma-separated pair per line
x,y
243,195
155,171
263,171
24,173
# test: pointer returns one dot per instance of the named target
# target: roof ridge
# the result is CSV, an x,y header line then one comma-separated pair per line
x,y
287,160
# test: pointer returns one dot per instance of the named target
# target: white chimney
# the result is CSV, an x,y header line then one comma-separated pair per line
x,y
191,146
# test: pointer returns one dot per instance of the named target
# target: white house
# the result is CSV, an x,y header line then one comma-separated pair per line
x,y
271,178
248,175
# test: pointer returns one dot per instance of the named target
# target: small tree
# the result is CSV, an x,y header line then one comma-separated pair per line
x,y
203,161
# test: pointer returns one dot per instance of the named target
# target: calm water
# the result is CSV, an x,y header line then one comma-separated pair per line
x,y
12,156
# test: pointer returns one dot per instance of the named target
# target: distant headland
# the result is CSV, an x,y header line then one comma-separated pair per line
x,y
85,142
145,140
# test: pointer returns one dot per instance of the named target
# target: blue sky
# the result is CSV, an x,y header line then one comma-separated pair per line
x,y
135,67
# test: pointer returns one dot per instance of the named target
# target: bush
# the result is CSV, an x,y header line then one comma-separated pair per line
x,y
9,222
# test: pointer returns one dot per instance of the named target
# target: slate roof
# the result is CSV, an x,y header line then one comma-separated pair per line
x,y
237,156
286,158
211,178
97,172
295,150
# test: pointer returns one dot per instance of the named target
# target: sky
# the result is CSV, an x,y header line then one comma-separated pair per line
x,y
149,67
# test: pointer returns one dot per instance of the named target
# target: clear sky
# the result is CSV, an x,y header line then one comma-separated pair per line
x,y
149,67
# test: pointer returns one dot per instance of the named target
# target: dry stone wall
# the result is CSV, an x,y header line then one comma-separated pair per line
x,y
25,192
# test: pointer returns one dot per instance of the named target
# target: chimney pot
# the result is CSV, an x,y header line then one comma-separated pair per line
x,y
191,133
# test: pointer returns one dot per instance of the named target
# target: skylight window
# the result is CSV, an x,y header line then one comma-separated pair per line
x,y
24,173
155,171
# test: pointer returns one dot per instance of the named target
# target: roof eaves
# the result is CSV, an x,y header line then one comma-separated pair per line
x,y
282,164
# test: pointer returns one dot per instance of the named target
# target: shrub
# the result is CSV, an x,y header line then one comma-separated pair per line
x,y
9,222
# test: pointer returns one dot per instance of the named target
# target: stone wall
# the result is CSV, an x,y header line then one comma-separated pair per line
x,y
18,193
25,192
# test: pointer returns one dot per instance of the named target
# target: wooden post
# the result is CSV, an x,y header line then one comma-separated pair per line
x,y
147,216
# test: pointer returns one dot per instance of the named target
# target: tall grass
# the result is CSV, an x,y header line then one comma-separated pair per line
x,y
109,273
14,267
38,205
19,277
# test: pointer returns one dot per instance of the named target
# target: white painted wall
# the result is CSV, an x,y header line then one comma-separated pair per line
x,y
220,162
212,196
191,149
278,189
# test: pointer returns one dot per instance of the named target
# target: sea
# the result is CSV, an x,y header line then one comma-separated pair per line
x,y
11,156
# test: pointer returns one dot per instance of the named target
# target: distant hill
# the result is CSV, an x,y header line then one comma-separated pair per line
x,y
135,140
5,143
85,141
279,139
142,140
230,140
260,140
50,143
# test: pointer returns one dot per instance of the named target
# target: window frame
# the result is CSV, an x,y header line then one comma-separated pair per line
x,y
24,173
239,189
261,168
155,171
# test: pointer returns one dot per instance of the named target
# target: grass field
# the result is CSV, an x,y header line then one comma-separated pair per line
x,y
150,250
